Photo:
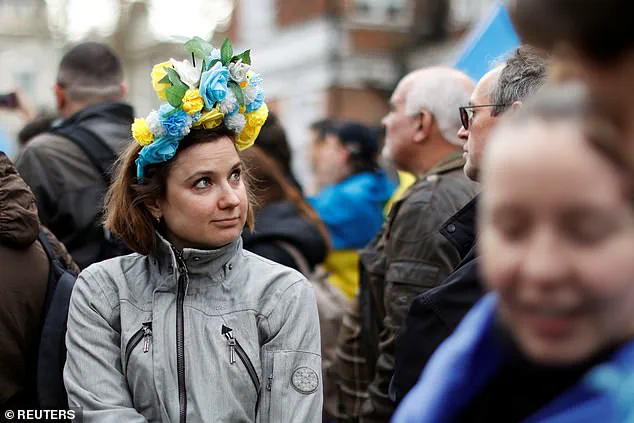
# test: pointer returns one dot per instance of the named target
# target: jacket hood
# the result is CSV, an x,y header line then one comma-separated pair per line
x,y
281,221
111,120
19,222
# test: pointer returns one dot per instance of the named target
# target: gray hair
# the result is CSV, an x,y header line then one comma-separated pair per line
x,y
522,75
441,95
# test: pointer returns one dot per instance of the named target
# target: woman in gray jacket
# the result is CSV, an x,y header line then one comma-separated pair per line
x,y
191,327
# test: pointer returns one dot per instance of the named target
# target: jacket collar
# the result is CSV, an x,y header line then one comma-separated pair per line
x,y
452,162
460,228
202,266
111,111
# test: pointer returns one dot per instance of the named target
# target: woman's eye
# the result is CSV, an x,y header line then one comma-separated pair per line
x,y
235,175
202,183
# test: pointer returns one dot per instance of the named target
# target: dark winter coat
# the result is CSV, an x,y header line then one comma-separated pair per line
x,y
24,271
435,314
280,223
409,256
68,187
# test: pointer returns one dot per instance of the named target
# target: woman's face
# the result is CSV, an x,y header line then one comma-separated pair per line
x,y
557,242
206,201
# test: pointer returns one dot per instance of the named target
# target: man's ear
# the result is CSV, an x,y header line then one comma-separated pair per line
x,y
516,105
60,97
423,130
153,205
124,88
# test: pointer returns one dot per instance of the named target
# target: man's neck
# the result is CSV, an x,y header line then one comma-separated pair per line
x,y
427,158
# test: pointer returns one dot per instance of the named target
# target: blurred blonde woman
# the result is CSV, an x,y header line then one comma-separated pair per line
x,y
554,340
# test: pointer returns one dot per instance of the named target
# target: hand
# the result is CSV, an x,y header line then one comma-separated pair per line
x,y
22,106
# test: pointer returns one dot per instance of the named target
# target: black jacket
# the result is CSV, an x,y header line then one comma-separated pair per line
x,y
435,314
68,187
279,223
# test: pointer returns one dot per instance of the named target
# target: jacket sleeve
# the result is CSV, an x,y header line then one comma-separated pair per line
x,y
93,374
291,357
420,258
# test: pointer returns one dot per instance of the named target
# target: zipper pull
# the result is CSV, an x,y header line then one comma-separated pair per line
x,y
147,334
269,385
228,333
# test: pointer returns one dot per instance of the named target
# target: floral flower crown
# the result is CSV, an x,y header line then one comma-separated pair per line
x,y
218,88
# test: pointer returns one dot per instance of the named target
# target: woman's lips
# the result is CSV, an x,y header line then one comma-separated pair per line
x,y
551,322
227,223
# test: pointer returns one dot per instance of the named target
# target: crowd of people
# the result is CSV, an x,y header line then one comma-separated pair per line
x,y
466,259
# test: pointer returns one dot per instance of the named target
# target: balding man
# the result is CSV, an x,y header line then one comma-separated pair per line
x,y
436,313
410,255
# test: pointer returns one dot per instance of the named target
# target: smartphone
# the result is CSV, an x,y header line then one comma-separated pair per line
x,y
8,101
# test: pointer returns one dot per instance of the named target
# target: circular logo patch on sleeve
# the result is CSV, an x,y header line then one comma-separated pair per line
x,y
305,380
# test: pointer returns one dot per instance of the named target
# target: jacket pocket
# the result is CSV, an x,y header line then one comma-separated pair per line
x,y
235,349
143,334
294,388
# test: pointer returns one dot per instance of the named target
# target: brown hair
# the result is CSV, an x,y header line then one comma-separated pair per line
x,y
126,214
269,185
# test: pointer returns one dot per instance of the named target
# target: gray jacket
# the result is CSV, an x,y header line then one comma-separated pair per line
x,y
198,336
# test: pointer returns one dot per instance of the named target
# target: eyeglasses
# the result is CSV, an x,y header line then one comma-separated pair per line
x,y
466,113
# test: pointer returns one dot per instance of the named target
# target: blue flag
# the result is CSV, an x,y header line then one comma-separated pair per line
x,y
493,38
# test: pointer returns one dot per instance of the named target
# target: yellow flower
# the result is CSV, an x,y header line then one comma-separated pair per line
x,y
251,130
192,101
158,73
210,119
141,132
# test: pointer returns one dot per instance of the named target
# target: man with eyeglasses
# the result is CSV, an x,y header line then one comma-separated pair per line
x,y
435,314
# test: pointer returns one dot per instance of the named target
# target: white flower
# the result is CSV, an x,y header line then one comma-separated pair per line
x,y
154,124
189,74
238,71
235,122
228,105
250,92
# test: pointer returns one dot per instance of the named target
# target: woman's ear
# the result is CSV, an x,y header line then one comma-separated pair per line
x,y
154,207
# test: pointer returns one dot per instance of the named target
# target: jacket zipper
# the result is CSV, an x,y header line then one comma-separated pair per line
x,y
145,333
235,347
183,280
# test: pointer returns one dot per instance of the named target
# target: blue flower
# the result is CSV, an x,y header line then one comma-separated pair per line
x,y
175,124
161,150
256,103
213,85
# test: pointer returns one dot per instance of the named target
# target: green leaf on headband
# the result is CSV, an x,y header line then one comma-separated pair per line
x,y
165,79
175,94
226,52
212,63
174,78
245,56
198,47
237,91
